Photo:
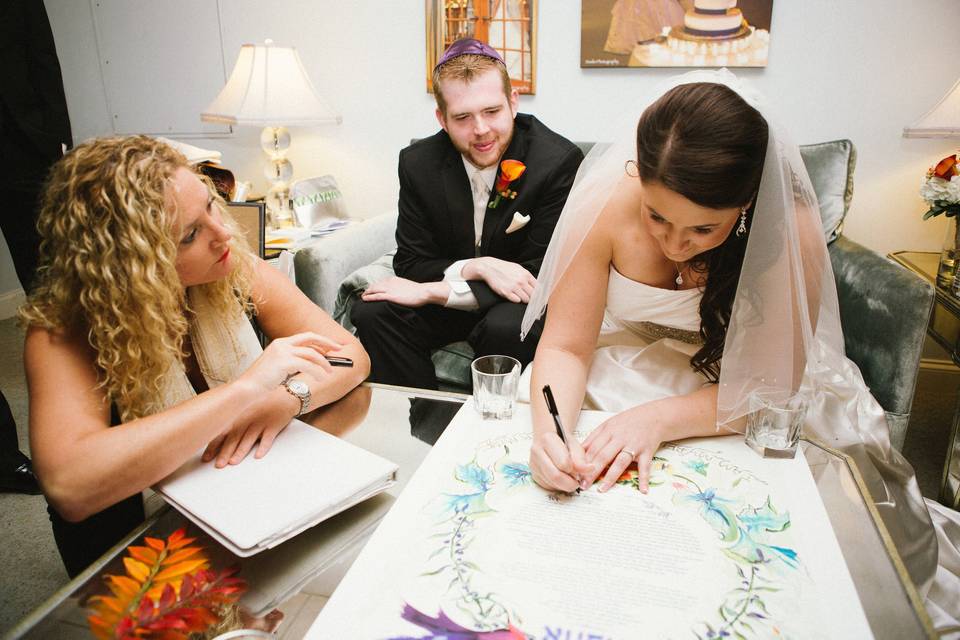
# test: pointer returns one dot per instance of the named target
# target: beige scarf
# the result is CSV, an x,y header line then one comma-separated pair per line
x,y
225,348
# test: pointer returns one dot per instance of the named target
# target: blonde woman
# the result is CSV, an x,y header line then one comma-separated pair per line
x,y
139,351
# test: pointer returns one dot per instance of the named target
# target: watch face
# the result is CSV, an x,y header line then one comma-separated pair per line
x,y
299,387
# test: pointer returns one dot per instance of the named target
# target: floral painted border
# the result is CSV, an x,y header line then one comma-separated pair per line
x,y
747,534
744,533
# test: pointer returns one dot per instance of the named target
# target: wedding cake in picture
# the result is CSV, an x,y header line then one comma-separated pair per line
x,y
715,33
714,19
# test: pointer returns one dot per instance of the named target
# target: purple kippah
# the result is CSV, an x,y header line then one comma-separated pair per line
x,y
464,46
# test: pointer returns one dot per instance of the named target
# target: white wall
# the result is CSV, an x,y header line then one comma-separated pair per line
x,y
837,69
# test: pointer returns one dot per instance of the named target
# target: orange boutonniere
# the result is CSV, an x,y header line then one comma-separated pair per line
x,y
510,170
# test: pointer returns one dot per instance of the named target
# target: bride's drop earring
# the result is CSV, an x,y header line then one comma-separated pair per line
x,y
742,229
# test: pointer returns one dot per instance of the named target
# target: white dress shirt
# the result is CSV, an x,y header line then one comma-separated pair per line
x,y
481,183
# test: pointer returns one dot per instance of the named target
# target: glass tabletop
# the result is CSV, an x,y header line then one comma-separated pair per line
x,y
401,425
925,264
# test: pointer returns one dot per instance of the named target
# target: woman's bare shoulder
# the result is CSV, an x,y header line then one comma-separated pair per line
x,y
43,345
634,251
624,205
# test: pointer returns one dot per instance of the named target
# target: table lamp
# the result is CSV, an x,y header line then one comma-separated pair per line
x,y
269,87
942,121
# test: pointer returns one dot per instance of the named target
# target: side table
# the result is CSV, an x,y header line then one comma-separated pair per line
x,y
944,328
283,255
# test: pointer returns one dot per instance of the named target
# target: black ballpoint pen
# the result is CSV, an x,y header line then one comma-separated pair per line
x,y
555,414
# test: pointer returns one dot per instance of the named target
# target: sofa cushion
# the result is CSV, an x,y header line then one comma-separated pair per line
x,y
830,165
452,363
356,283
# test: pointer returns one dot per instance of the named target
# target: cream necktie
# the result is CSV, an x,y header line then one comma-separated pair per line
x,y
481,194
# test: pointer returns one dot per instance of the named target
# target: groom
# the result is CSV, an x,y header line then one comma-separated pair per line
x,y
478,203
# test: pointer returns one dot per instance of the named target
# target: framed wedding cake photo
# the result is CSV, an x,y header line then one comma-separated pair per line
x,y
675,33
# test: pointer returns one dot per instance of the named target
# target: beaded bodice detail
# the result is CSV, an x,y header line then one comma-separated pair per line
x,y
650,312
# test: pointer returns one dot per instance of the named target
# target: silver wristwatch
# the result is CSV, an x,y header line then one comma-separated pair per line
x,y
299,390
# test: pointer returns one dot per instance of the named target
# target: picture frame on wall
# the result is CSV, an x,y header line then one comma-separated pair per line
x,y
509,26
675,33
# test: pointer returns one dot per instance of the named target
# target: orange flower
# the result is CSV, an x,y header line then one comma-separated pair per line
x,y
510,170
946,168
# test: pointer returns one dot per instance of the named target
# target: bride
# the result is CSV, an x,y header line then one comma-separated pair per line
x,y
689,283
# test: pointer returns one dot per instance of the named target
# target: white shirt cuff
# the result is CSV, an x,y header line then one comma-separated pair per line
x,y
462,301
454,272
461,297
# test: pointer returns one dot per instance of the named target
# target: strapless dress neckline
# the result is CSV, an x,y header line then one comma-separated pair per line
x,y
694,292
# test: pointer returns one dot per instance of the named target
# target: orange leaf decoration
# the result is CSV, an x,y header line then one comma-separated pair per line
x,y
137,570
153,543
181,569
183,554
169,592
143,554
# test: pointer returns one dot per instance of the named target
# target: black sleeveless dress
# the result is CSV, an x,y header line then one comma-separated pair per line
x,y
81,543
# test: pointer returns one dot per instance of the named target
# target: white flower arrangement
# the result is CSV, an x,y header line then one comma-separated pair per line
x,y
941,188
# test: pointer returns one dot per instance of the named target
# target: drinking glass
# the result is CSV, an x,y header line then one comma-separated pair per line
x,y
773,429
495,380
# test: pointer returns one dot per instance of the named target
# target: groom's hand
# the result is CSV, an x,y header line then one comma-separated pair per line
x,y
507,279
407,292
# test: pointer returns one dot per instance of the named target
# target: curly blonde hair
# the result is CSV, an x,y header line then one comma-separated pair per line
x,y
107,264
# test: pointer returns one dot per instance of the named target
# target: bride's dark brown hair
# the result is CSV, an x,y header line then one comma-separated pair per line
x,y
703,141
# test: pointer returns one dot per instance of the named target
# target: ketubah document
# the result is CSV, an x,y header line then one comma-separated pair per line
x,y
307,477
725,545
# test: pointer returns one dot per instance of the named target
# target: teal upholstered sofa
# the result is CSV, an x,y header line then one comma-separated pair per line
x,y
884,309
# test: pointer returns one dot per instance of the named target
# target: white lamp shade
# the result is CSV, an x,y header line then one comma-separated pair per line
x,y
269,87
943,121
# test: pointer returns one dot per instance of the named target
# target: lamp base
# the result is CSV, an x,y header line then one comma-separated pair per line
x,y
279,213
275,141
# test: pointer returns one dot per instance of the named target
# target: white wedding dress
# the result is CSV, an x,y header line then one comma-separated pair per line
x,y
645,343
643,351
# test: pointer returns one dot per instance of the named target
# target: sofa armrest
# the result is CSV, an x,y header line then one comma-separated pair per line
x,y
322,265
884,310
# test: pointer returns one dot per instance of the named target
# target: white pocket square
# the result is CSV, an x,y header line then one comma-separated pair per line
x,y
519,221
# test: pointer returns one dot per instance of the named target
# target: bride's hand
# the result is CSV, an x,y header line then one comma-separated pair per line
x,y
634,434
555,467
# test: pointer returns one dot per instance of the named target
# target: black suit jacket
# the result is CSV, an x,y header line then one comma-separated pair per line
x,y
435,225
33,110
